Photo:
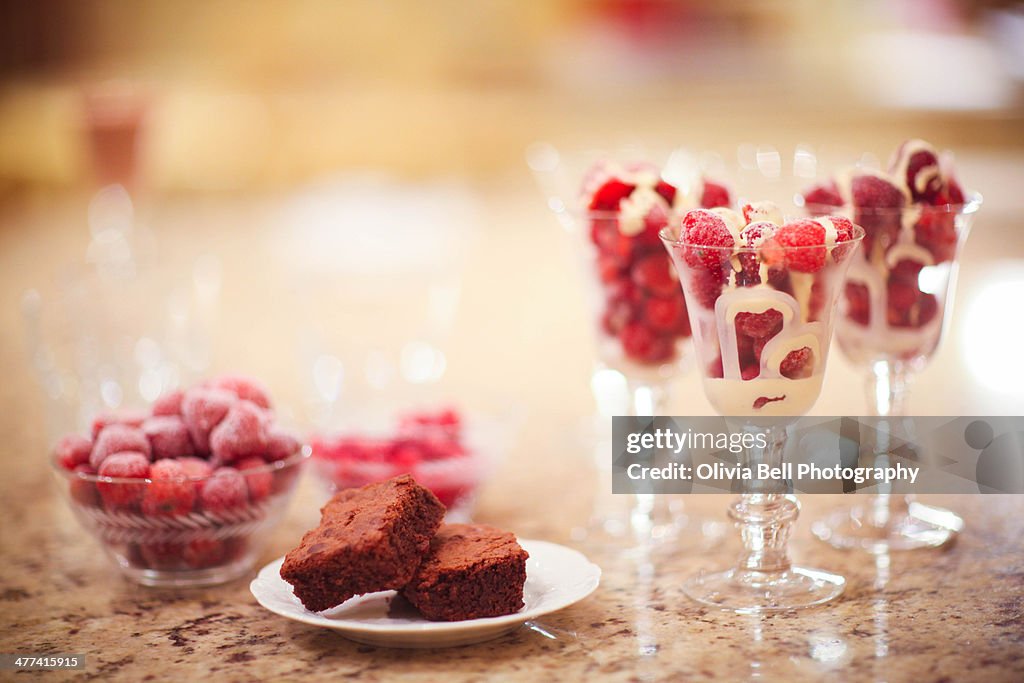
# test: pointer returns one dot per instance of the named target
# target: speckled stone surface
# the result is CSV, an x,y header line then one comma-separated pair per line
x,y
953,615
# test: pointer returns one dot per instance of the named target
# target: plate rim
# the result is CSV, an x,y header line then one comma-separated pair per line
x,y
439,627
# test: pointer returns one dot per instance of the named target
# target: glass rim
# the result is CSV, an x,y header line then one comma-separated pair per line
x,y
673,241
293,460
971,204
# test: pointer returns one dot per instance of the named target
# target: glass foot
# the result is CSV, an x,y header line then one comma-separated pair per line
x,y
922,526
195,578
622,533
749,592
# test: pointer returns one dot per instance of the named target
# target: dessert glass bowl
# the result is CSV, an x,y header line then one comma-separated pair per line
x,y
198,548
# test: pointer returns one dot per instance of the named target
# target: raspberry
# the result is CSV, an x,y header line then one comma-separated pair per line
x,y
667,192
169,492
168,437
667,315
203,409
128,418
257,482
798,239
797,364
82,489
936,231
223,491
820,197
609,195
240,434
72,450
714,195
702,228
169,403
117,438
203,553
923,177
759,325
858,303
281,444
245,388
656,275
878,205
641,344
129,465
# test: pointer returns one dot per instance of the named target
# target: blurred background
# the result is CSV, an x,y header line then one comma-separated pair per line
x,y
341,186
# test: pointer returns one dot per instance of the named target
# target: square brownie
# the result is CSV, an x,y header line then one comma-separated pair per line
x,y
471,571
369,539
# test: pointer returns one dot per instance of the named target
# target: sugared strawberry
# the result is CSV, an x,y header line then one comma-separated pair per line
x,y
245,388
954,194
225,490
936,231
203,553
906,270
920,164
901,295
617,313
258,479
117,438
714,195
82,489
281,444
878,205
128,418
839,231
168,437
203,409
655,275
757,233
169,492
705,286
803,243
169,403
750,371
759,325
667,315
797,364
161,555
927,308
858,303
609,195
641,344
242,433
129,465
72,450
822,198
707,239
667,192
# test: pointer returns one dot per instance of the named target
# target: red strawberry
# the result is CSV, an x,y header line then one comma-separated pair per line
x,y
641,344
667,192
258,479
705,287
667,315
240,434
759,325
281,444
858,303
750,371
203,409
81,488
72,450
820,198
923,177
927,308
128,465
169,403
225,490
169,492
245,388
702,228
797,364
161,555
609,195
117,438
168,437
936,231
714,195
655,275
127,418
799,240
878,210
203,553
954,194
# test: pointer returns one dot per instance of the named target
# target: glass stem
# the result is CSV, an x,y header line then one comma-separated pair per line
x,y
765,514
887,388
649,510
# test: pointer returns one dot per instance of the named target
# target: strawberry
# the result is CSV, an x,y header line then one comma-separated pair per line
x,y
799,240
797,364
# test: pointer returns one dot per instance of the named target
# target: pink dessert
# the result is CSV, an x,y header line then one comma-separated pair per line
x,y
642,316
197,462
428,445
892,304
759,291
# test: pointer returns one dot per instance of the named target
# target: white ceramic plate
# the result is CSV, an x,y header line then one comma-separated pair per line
x,y
556,577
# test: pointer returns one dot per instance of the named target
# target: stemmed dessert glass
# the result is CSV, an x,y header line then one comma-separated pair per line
x,y
895,305
640,322
762,319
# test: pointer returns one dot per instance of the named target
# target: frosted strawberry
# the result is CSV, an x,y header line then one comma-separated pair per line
x,y
609,194
168,437
72,450
705,228
655,275
878,205
82,488
839,231
705,286
168,404
118,438
128,418
919,163
225,490
280,444
258,479
205,552
641,344
667,192
202,409
858,303
759,325
169,492
800,241
118,495
667,315
935,230
242,433
797,364
822,198
714,195
245,388
754,236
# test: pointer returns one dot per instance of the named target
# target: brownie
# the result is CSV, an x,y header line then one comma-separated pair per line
x,y
471,571
369,539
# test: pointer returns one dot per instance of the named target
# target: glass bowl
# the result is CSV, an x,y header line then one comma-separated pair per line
x,y
198,547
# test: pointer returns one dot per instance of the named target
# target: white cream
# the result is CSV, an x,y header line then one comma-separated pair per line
x,y
756,212
736,397
633,210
